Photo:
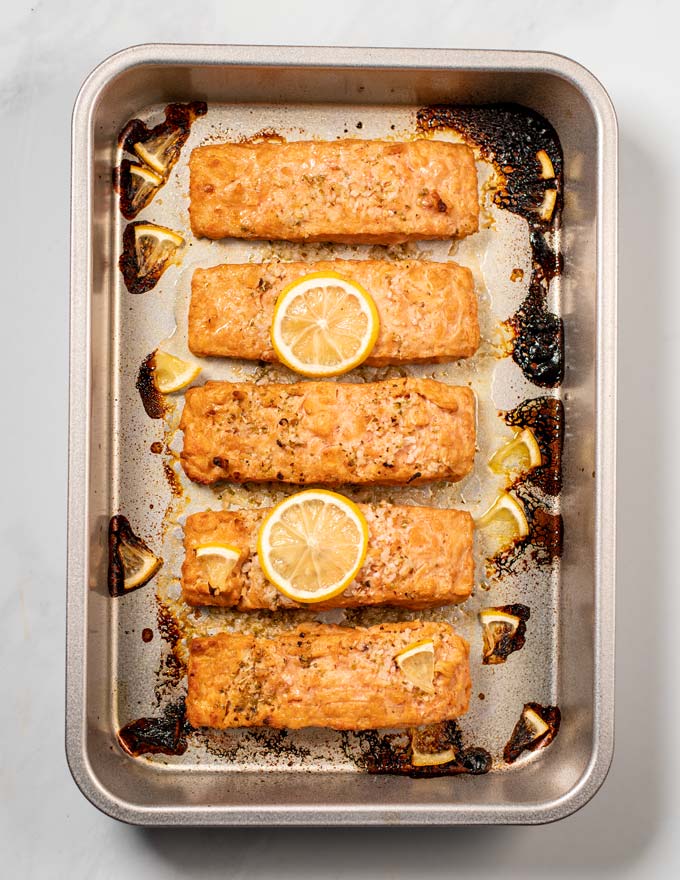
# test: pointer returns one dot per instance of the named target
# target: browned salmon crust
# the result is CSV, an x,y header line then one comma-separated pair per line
x,y
325,676
418,557
428,311
352,191
394,432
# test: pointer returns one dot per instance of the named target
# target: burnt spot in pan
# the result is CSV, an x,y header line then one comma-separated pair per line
x,y
278,744
264,135
165,734
132,563
392,753
536,728
503,631
153,401
172,479
155,151
545,417
172,668
147,634
526,153
538,339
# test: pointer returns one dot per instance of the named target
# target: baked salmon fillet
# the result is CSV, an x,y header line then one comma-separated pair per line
x,y
428,311
325,676
353,191
418,557
393,432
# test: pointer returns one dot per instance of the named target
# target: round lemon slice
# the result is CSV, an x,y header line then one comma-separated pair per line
x,y
324,325
417,664
312,545
154,247
172,373
521,453
219,560
504,522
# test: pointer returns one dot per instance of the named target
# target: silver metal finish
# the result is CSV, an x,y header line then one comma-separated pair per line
x,y
110,676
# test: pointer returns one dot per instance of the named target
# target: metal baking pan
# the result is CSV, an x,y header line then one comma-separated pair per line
x,y
124,654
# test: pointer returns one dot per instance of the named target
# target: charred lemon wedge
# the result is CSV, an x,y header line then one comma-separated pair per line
x,y
131,562
312,545
148,250
161,152
503,632
154,247
324,325
430,747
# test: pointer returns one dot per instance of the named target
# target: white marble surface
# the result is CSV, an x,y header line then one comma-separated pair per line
x,y
47,829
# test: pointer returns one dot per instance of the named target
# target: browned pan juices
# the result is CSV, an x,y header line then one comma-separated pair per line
x,y
506,139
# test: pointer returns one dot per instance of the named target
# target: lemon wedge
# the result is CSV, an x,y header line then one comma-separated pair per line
x,y
171,373
154,247
161,152
324,325
426,747
139,565
504,522
417,664
312,545
219,560
535,725
143,185
492,616
521,453
501,633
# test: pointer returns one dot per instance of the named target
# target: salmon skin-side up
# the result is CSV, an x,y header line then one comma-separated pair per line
x,y
418,557
325,676
352,191
428,311
394,432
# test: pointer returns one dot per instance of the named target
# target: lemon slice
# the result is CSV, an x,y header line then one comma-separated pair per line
x,y
504,522
219,561
154,247
171,373
417,664
324,325
312,545
161,152
520,454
